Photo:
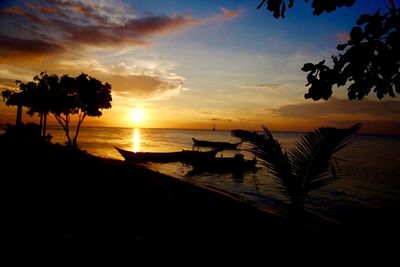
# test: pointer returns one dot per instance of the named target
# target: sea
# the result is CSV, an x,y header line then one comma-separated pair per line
x,y
369,169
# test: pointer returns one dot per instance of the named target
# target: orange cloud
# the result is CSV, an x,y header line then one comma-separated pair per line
x,y
342,37
228,14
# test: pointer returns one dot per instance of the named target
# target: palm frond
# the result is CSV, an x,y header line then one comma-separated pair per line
x,y
270,152
312,154
308,165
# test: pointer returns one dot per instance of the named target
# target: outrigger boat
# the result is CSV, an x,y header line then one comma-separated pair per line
x,y
216,145
236,164
184,156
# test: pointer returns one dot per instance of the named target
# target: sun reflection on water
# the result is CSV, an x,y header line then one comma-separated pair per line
x,y
136,140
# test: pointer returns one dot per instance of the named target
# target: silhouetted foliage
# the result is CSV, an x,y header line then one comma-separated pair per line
x,y
278,7
83,95
64,97
15,98
371,60
307,166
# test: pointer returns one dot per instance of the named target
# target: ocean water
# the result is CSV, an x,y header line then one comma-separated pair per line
x,y
370,184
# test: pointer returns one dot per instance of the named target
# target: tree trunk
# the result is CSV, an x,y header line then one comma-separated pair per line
x,y
65,124
19,116
67,133
77,129
41,122
44,124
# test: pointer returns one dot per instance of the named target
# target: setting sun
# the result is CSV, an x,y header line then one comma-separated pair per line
x,y
137,115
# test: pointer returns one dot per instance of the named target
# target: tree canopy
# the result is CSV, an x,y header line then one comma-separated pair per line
x,y
368,61
66,96
278,7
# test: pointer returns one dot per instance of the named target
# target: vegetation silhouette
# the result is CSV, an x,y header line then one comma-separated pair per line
x,y
278,7
370,59
307,166
63,97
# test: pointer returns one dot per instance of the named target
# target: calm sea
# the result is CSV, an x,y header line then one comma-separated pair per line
x,y
370,184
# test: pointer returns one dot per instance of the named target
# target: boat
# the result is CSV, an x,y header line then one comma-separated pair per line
x,y
216,145
184,156
236,164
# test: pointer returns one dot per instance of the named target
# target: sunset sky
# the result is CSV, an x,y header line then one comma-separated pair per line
x,y
189,63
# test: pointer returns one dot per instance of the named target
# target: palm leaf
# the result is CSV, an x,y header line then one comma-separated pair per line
x,y
311,157
308,165
269,151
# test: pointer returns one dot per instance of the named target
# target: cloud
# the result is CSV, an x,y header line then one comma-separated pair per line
x,y
228,14
55,26
14,47
367,108
220,119
262,86
145,87
7,83
342,37
132,82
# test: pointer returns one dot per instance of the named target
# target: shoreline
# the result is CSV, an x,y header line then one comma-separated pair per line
x,y
66,197
321,226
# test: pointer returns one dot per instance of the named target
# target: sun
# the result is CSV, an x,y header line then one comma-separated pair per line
x,y
137,115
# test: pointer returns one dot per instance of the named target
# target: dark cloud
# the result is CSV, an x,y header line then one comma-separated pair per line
x,y
340,106
262,86
7,83
18,47
52,26
219,119
15,12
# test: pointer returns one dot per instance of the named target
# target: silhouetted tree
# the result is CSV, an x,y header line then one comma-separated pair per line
x,y
83,95
93,96
64,97
33,95
371,58
307,166
41,98
20,98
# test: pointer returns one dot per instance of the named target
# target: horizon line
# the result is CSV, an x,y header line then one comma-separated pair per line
x,y
2,126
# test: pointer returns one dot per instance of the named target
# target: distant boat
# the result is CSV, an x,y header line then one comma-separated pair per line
x,y
215,145
214,127
236,164
184,156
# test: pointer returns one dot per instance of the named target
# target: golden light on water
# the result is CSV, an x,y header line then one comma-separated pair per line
x,y
136,140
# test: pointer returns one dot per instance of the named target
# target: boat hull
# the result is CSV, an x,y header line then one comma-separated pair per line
x,y
184,156
235,164
215,145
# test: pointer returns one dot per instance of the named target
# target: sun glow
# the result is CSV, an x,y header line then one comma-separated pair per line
x,y
137,115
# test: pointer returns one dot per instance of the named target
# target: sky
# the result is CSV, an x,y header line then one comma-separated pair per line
x,y
189,63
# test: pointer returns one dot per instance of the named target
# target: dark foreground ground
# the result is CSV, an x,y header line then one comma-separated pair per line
x,y
56,198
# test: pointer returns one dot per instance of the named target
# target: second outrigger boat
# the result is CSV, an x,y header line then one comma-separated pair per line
x,y
215,145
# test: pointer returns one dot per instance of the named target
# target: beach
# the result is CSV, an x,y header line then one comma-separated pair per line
x,y
59,197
